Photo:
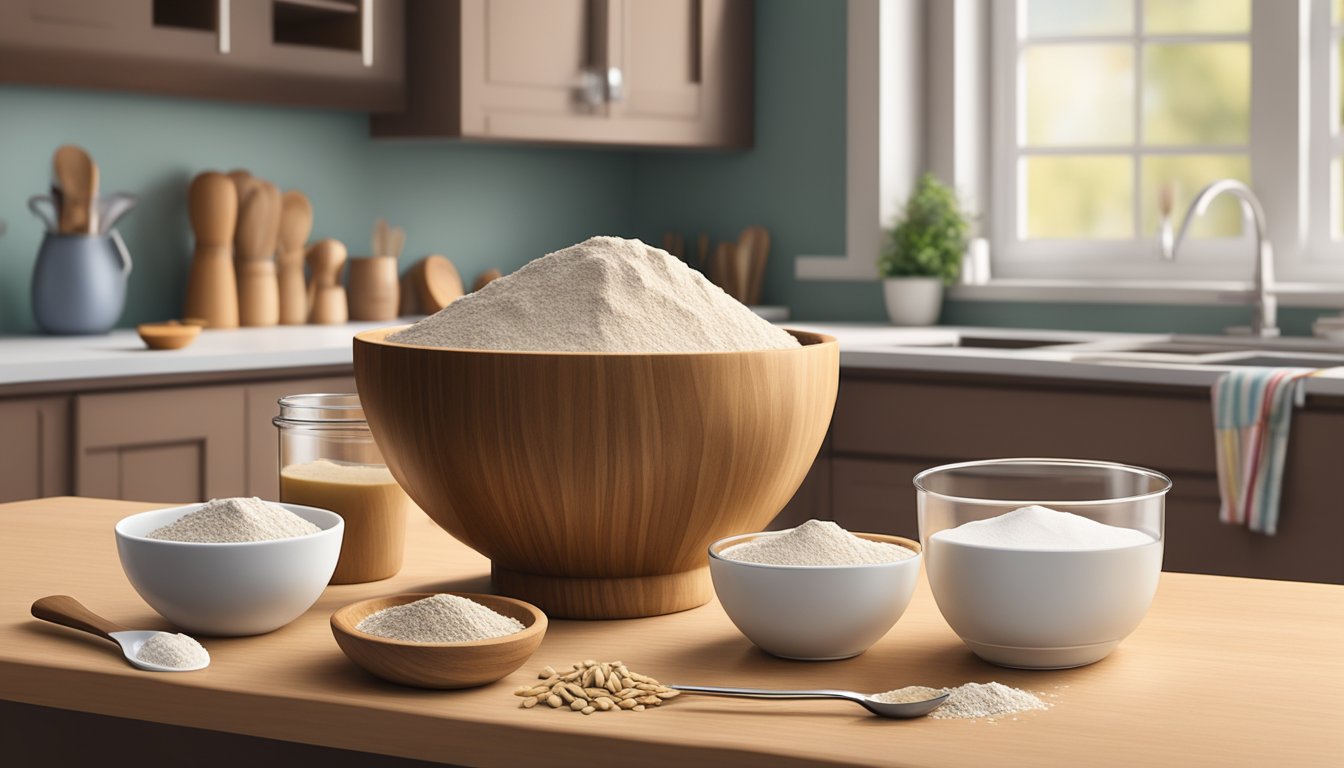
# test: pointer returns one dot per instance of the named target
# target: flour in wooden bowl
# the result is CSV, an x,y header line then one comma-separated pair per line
x,y
605,294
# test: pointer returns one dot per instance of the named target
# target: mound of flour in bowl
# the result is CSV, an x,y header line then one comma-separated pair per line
x,y
1037,527
439,619
815,542
605,294
224,521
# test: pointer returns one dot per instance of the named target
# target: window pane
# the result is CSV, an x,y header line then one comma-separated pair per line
x,y
1184,17
1337,199
1047,18
1079,95
1197,93
1079,196
1188,174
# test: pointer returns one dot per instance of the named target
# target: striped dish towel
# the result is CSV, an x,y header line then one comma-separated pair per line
x,y
1252,410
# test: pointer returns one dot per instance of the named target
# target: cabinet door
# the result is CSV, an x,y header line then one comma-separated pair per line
x,y
875,496
35,448
335,53
263,439
172,445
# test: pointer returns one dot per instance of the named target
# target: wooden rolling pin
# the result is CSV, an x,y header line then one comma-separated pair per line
x,y
326,296
212,295
258,286
296,224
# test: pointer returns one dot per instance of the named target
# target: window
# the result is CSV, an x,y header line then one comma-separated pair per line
x,y
1100,104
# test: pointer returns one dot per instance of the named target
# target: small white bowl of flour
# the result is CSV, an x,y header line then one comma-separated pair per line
x,y
815,592
230,567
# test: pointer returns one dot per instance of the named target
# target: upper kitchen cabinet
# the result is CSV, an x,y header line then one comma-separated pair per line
x,y
346,54
667,73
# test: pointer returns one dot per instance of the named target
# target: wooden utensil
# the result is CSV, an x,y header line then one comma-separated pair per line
x,y
258,225
240,178
374,291
69,612
409,291
396,240
437,281
721,271
702,251
740,266
485,278
75,176
439,665
449,421
296,224
212,293
674,244
326,296
760,252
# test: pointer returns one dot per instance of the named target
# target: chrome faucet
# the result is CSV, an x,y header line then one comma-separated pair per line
x,y
1264,320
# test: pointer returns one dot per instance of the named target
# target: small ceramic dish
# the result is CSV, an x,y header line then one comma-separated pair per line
x,y
814,612
169,335
439,665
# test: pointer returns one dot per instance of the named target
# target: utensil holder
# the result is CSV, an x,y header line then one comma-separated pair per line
x,y
79,283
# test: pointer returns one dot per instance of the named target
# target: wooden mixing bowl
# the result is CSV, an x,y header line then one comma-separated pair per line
x,y
439,665
595,482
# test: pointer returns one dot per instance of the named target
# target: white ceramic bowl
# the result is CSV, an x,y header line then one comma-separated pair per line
x,y
1042,608
245,588
814,612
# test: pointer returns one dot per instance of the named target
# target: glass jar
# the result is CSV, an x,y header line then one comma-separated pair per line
x,y
1042,590
328,459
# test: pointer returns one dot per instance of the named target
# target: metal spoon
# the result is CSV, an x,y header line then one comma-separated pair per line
x,y
880,708
69,612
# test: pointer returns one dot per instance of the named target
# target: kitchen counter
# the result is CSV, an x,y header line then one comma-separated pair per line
x,y
1222,672
30,361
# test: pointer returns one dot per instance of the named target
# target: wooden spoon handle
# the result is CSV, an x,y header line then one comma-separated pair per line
x,y
69,612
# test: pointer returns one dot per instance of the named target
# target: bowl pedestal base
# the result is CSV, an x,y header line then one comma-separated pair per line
x,y
615,598
1042,658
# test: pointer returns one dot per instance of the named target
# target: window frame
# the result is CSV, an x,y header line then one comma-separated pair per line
x,y
1273,148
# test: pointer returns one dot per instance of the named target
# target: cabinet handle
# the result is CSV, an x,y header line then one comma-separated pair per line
x,y
366,33
222,24
615,84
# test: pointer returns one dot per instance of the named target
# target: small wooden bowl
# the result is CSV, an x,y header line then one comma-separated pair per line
x,y
169,335
439,665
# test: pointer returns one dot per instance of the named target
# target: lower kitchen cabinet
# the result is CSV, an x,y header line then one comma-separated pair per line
x,y
178,444
152,440
34,448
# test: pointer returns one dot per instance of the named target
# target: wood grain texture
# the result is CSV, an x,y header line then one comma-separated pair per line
x,y
254,253
439,665
75,176
327,304
1174,693
570,469
212,293
374,292
296,224
69,612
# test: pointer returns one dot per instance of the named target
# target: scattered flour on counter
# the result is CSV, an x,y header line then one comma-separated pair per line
x,y
972,700
605,294
815,542
177,651
1037,527
439,619
222,521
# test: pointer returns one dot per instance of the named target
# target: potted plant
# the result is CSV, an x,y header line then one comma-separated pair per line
x,y
922,253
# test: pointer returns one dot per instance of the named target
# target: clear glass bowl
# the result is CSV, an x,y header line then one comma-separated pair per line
x,y
1034,607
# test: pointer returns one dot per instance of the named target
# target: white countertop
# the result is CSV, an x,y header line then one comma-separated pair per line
x,y
120,354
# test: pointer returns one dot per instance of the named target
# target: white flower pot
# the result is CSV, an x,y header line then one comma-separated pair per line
x,y
913,300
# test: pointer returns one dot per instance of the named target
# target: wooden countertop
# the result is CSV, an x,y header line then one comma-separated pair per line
x,y
1222,672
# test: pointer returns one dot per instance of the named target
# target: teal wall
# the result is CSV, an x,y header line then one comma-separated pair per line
x,y
486,205
481,205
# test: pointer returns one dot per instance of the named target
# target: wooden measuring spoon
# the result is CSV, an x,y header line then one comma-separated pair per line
x,y
75,175
258,223
760,252
212,294
296,224
69,612
326,296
